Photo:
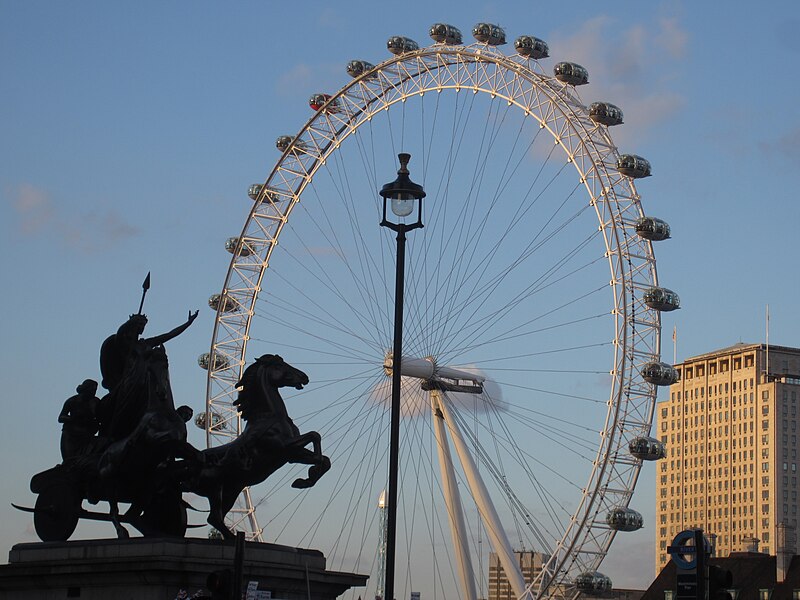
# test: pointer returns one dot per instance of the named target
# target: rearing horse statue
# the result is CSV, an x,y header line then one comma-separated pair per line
x,y
270,440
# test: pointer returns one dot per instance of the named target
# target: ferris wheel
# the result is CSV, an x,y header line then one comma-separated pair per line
x,y
532,316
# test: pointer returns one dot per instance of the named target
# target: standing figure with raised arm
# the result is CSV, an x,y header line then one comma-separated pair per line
x,y
123,357
79,419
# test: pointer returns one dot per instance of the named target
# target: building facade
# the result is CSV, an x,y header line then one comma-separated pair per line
x,y
730,428
499,588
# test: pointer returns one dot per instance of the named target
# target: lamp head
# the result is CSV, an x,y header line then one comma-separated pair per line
x,y
403,193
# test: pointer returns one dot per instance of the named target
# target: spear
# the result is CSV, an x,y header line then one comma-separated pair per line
x,y
145,287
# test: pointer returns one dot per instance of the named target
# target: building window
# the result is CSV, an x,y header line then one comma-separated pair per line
x,y
764,594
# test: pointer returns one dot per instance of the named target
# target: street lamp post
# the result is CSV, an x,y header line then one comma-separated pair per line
x,y
404,196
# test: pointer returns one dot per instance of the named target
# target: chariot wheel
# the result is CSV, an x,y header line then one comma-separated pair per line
x,y
56,512
530,273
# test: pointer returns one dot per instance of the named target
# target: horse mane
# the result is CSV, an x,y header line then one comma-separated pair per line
x,y
252,371
252,382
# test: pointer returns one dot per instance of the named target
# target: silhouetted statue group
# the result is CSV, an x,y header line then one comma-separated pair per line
x,y
130,446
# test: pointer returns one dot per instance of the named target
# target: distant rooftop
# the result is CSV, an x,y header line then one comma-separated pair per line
x,y
741,347
752,572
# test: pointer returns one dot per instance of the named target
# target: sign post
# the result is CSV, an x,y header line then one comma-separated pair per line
x,y
688,552
696,578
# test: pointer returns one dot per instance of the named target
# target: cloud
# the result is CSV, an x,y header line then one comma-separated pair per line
x,y
787,146
306,79
87,232
330,18
672,39
299,77
33,207
634,68
786,34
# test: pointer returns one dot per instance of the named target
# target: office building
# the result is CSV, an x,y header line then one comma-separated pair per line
x,y
499,587
730,428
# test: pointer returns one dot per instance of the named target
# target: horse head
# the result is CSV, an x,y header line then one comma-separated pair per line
x,y
260,383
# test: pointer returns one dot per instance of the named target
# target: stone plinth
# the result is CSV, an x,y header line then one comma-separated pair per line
x,y
155,569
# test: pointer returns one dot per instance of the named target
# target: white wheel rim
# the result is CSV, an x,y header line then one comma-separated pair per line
x,y
558,110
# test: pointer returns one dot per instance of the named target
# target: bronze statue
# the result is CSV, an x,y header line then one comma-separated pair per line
x,y
120,348
79,419
141,456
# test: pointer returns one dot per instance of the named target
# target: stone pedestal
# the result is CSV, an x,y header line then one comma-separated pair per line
x,y
155,569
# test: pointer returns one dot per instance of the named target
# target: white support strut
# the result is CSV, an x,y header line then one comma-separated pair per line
x,y
494,527
455,513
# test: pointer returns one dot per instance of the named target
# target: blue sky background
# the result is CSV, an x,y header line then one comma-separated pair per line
x,y
130,133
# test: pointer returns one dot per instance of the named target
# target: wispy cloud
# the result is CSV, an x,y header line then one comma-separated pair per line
x,y
330,18
87,232
310,78
33,207
633,67
786,146
299,77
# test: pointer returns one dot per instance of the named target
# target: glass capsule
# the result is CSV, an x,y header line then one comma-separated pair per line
x,y
356,68
231,246
659,373
220,362
605,113
571,73
531,47
397,44
662,299
445,34
652,229
647,448
493,35
633,166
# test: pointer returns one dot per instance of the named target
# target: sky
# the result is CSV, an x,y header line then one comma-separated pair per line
x,y
130,133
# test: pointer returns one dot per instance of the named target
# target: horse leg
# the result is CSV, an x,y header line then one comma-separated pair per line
x,y
122,533
217,511
313,438
320,464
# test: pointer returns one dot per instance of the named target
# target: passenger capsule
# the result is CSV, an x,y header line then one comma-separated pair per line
x,y
571,73
633,166
232,243
620,518
216,422
653,229
229,305
220,362
661,299
317,101
494,35
255,190
531,47
659,373
397,44
593,583
284,141
605,113
356,68
445,34
647,448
